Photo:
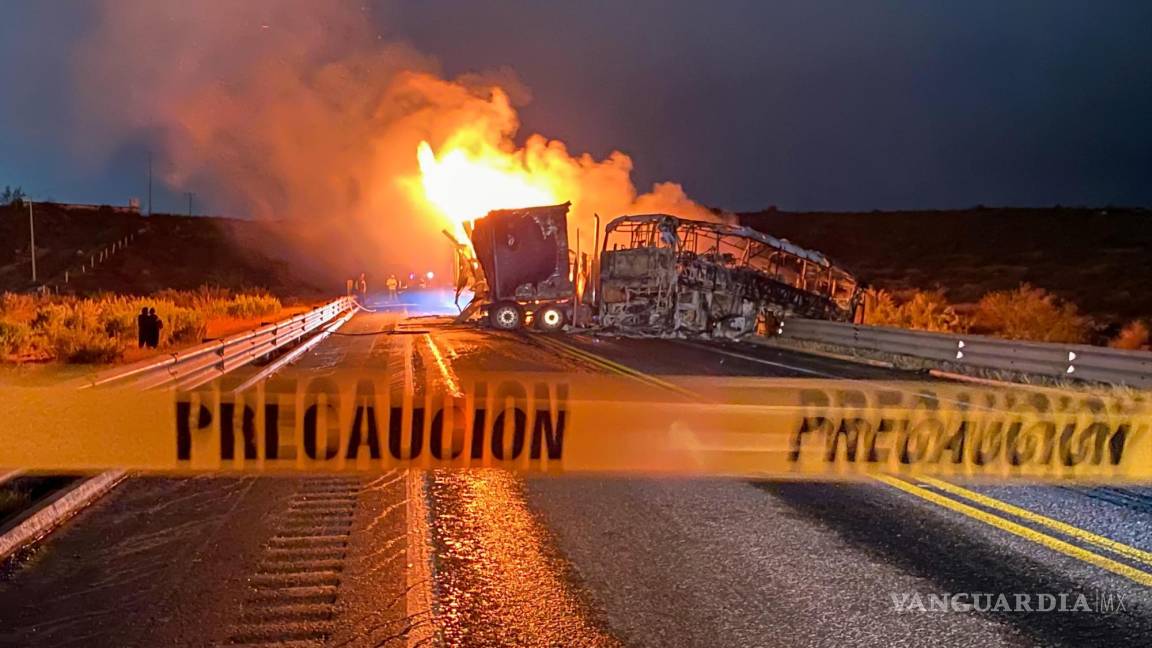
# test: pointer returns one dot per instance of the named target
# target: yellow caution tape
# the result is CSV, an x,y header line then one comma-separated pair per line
x,y
547,422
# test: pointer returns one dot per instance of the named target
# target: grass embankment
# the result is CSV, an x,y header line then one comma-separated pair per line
x,y
102,329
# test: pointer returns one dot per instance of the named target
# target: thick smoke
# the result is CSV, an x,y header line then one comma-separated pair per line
x,y
299,111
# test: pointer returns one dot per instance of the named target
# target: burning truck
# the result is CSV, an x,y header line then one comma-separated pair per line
x,y
654,275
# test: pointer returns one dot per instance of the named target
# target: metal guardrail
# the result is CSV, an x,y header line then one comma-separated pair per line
x,y
191,367
1079,361
186,368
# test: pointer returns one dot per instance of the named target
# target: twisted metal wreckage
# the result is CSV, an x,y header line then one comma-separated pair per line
x,y
656,275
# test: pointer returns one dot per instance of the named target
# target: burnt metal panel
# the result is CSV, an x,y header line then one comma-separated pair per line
x,y
524,253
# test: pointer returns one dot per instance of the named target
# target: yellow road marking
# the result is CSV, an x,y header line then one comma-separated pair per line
x,y
1055,544
616,367
1063,527
446,372
587,356
619,368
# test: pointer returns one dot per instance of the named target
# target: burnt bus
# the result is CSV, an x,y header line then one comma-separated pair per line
x,y
663,275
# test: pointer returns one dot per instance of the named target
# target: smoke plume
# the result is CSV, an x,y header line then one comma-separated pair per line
x,y
300,112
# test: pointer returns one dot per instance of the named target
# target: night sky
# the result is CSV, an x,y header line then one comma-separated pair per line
x,y
807,104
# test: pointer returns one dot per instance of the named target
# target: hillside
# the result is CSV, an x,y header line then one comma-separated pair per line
x,y
166,251
1095,258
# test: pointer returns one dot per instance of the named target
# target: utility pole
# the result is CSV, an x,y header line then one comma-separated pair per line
x,y
190,194
149,183
32,238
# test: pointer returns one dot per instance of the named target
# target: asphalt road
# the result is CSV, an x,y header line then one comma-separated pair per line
x,y
491,558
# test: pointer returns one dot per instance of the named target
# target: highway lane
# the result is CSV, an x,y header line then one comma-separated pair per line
x,y
731,562
212,561
544,561
318,561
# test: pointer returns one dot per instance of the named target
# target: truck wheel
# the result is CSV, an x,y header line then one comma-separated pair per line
x,y
550,318
506,316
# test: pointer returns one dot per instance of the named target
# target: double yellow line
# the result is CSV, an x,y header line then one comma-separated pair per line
x,y
612,367
1143,558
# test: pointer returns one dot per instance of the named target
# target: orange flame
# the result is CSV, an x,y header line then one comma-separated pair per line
x,y
464,184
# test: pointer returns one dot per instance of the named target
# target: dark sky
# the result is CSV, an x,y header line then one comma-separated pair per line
x,y
806,104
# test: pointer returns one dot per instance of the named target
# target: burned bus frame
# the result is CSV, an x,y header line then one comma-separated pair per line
x,y
663,275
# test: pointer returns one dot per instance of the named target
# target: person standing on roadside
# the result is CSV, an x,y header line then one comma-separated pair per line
x,y
392,285
143,328
154,326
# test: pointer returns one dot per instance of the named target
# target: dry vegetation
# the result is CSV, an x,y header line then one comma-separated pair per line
x,y
1095,258
1025,313
100,329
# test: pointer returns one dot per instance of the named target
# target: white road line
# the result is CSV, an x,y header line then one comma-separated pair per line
x,y
10,475
43,521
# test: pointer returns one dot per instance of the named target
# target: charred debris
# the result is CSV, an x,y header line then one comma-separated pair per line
x,y
653,275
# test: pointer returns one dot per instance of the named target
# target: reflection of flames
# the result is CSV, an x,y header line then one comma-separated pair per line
x,y
463,184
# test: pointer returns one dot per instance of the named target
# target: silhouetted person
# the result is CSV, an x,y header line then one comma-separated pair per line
x,y
143,327
154,326
362,285
392,285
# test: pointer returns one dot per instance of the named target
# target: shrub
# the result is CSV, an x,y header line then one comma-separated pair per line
x,y
15,337
252,306
930,311
120,323
16,307
49,315
1132,337
925,310
205,297
86,346
85,314
100,328
880,308
181,325
1029,313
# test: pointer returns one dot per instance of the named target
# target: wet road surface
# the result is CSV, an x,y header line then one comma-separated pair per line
x,y
488,558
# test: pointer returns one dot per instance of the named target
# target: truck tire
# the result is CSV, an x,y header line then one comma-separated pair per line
x,y
506,316
550,318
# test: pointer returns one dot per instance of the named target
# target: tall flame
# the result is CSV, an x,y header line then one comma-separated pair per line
x,y
463,184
